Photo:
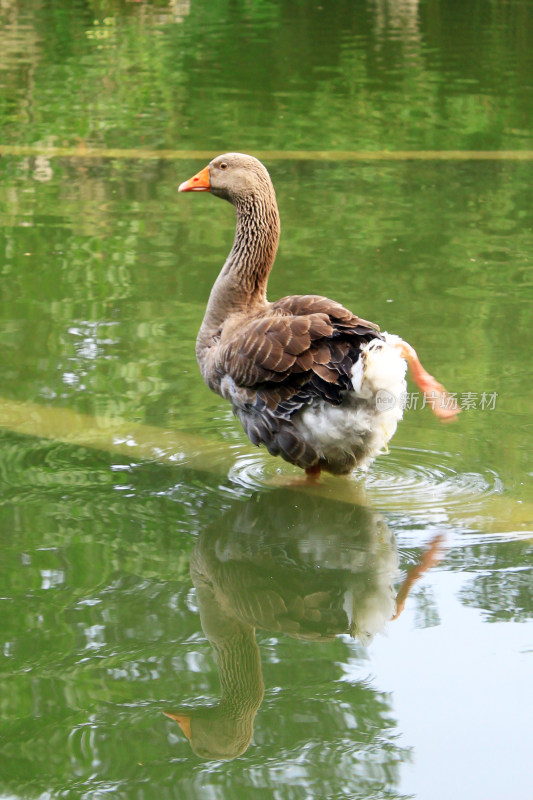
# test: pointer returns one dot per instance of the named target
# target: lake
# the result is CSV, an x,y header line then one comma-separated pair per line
x,y
367,637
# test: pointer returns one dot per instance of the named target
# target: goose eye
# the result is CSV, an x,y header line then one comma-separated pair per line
x,y
223,165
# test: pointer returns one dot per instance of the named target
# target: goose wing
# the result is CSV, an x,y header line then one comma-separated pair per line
x,y
294,341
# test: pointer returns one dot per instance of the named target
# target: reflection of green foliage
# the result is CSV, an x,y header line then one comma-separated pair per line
x,y
163,77
100,637
504,587
104,276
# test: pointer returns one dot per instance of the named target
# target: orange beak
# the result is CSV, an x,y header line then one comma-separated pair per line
x,y
183,721
198,183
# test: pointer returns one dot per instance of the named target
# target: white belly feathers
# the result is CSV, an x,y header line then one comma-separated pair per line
x,y
367,419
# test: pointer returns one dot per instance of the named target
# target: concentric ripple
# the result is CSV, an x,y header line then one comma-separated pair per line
x,y
423,485
427,482
256,470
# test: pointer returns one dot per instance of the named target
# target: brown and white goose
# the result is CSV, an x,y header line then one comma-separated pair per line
x,y
314,383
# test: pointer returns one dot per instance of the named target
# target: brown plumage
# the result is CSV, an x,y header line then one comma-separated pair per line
x,y
285,365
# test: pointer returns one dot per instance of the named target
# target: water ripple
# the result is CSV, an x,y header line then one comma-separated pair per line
x,y
427,481
425,484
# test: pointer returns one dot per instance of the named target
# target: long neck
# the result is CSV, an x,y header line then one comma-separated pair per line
x,y
239,668
255,245
243,279
237,653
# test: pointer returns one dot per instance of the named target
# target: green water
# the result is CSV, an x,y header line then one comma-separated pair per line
x,y
188,573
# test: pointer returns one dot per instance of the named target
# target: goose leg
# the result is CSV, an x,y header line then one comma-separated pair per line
x,y
311,478
442,404
313,473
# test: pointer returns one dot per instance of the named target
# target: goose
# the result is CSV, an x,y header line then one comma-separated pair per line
x,y
307,378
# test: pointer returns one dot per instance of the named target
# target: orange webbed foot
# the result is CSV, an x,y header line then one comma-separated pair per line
x,y
440,401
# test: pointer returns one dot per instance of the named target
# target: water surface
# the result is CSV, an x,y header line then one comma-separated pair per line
x,y
151,560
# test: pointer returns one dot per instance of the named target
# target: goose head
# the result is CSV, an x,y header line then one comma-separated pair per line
x,y
235,177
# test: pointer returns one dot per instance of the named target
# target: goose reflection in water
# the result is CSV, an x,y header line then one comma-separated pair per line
x,y
312,571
